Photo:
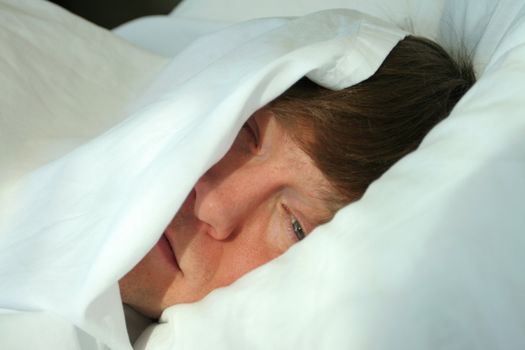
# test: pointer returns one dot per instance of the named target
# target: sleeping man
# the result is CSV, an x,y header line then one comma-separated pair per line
x,y
294,163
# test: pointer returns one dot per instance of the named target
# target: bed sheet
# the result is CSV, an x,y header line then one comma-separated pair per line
x,y
79,219
63,82
430,257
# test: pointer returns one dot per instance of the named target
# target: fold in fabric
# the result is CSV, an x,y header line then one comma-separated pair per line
x,y
77,223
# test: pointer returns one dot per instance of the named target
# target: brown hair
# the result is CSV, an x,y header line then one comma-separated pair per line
x,y
354,135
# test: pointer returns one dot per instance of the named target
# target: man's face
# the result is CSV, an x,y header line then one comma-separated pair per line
x,y
247,209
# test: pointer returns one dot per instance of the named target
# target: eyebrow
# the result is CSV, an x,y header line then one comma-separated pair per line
x,y
331,202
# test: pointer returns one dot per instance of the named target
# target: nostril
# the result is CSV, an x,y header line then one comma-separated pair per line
x,y
213,233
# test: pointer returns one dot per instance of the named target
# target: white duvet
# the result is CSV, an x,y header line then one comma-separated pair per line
x,y
101,142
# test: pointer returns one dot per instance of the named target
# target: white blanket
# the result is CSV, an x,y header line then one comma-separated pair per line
x,y
75,224
430,258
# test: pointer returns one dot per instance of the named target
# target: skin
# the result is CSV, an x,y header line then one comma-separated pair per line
x,y
239,216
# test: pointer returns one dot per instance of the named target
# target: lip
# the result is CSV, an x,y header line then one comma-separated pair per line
x,y
167,250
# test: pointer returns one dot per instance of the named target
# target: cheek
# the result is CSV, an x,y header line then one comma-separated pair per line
x,y
200,258
249,250
199,262
147,282
210,264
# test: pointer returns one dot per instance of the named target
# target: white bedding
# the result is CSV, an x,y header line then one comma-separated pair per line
x,y
63,82
430,258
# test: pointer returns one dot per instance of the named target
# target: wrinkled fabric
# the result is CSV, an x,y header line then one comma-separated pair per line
x,y
84,213
431,257
63,83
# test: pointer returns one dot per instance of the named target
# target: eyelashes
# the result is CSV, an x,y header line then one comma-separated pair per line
x,y
294,226
297,229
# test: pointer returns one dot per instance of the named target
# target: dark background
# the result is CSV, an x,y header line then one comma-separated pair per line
x,y
111,13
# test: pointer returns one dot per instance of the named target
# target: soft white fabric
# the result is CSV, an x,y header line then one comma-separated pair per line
x,y
430,258
165,35
80,215
63,81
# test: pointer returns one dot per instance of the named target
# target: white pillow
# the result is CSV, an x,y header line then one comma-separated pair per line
x,y
79,219
165,35
63,81
432,256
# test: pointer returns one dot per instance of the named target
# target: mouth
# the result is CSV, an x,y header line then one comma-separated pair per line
x,y
168,251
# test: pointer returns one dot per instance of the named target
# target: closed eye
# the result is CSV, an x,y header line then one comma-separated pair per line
x,y
294,226
297,229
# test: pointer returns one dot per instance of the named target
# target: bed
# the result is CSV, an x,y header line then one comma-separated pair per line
x,y
92,132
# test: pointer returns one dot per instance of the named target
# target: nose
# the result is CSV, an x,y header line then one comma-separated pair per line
x,y
225,199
